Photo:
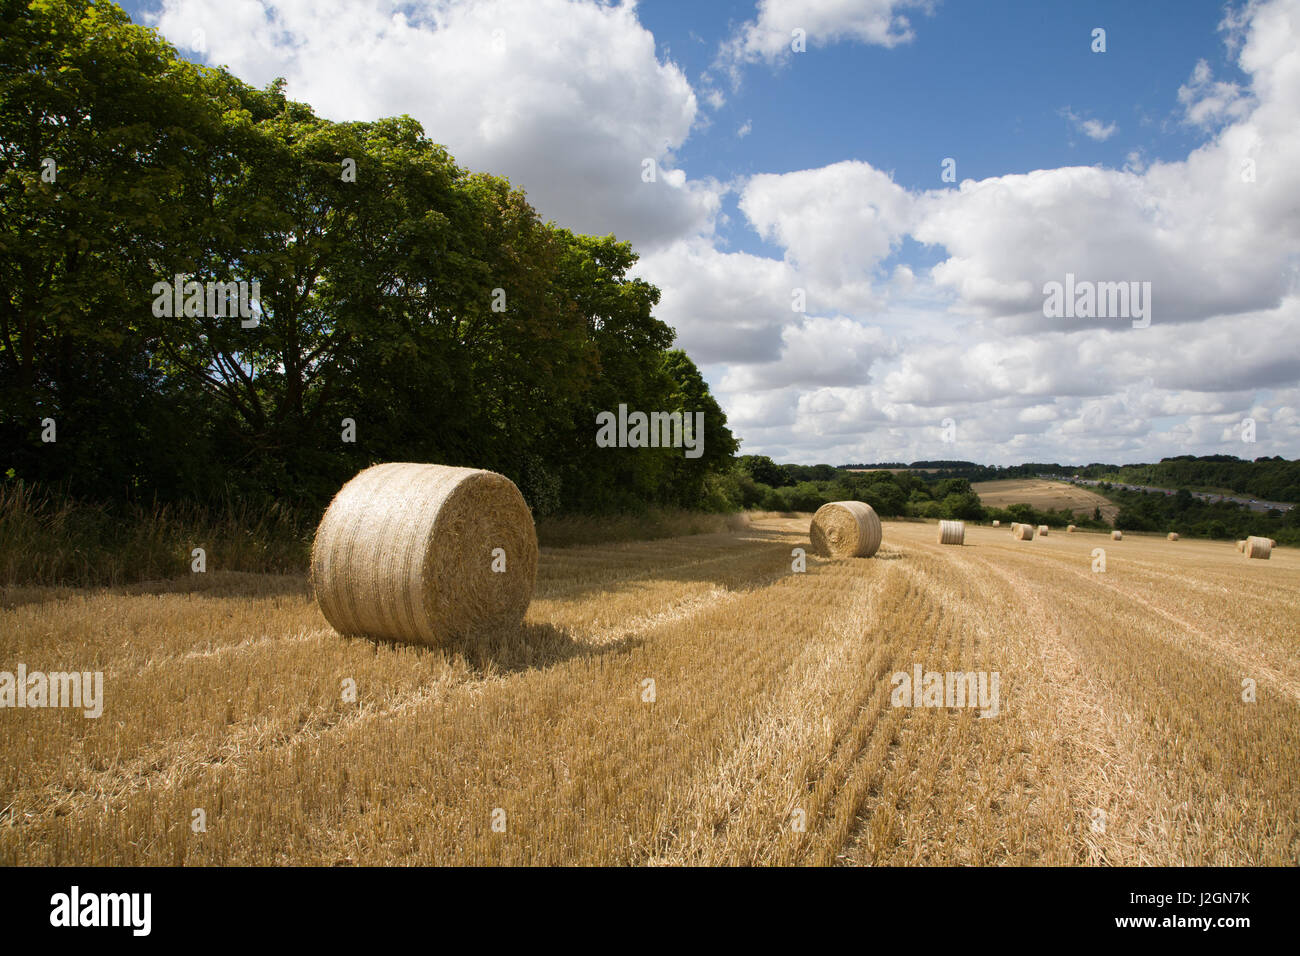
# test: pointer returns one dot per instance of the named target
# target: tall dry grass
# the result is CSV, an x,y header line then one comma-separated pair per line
x,y
47,538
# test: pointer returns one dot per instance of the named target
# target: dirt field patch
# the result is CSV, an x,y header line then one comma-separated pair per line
x,y
1045,495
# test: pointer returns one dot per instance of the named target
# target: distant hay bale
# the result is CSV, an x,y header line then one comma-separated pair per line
x,y
1023,532
1071,529
1272,543
997,523
1241,545
845,529
408,552
1117,536
952,532
1257,547
1042,530
1172,536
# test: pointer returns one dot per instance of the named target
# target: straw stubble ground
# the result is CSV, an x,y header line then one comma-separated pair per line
x,y
771,737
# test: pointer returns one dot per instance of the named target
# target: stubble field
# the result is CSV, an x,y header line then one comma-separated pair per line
x,y
767,736
1045,495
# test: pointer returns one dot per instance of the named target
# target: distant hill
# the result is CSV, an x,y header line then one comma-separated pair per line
x,y
1272,479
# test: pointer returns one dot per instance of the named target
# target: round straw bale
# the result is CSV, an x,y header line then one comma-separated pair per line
x,y
1071,529
1042,530
952,532
997,523
1272,543
409,552
1172,536
1241,545
1257,547
1023,532
845,529
1117,536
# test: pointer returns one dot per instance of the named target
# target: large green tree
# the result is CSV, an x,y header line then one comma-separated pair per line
x,y
427,307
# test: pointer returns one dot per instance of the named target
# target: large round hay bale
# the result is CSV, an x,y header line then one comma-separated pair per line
x,y
1023,532
1117,536
409,552
1172,536
952,532
845,529
1042,530
1071,529
1241,545
997,523
1257,547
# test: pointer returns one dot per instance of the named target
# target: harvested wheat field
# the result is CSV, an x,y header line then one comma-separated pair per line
x,y
1044,494
690,700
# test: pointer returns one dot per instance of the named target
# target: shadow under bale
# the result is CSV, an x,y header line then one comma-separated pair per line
x,y
512,649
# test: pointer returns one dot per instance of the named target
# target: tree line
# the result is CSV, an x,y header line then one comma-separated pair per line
x,y
408,309
1267,478
1194,517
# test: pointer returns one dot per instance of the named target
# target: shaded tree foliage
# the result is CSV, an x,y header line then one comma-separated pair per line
x,y
428,304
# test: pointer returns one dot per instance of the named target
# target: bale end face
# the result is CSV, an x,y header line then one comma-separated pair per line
x,y
845,529
424,554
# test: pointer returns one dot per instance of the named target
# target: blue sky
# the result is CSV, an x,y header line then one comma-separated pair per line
x,y
983,82
925,299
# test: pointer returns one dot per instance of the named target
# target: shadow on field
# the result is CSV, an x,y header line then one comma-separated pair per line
x,y
742,561
238,585
223,584
510,650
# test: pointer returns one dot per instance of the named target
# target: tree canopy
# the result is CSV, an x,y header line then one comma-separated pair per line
x,y
425,304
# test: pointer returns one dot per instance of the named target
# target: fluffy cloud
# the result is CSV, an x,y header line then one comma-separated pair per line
x,y
1217,235
564,97
836,224
1209,103
1213,240
726,307
1094,129
769,36
567,97
817,352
